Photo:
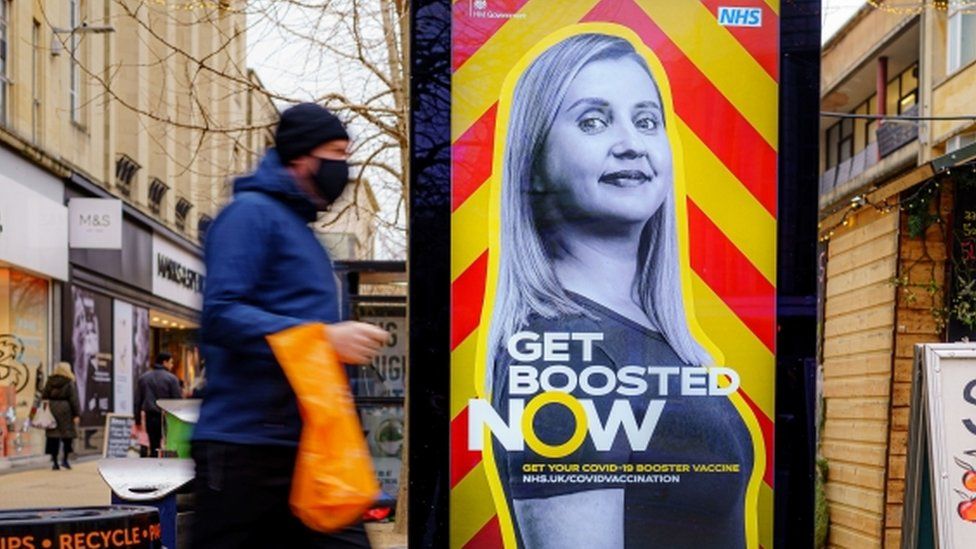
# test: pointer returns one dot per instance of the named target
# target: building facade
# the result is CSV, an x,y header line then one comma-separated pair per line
x,y
893,195
149,107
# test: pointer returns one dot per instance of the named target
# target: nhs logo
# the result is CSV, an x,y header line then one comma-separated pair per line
x,y
739,17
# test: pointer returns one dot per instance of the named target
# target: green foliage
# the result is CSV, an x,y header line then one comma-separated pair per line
x,y
821,516
921,213
963,306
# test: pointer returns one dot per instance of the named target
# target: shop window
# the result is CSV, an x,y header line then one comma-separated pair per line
x,y
4,59
24,355
74,76
37,69
183,207
125,171
902,91
961,47
831,145
157,190
845,145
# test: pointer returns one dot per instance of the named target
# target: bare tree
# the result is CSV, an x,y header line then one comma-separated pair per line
x,y
349,55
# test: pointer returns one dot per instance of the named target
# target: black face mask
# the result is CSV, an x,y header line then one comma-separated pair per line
x,y
331,178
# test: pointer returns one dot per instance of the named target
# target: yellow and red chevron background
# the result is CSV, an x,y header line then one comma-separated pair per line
x,y
724,83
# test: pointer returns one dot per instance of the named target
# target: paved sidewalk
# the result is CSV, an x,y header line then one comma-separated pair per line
x,y
78,487
83,486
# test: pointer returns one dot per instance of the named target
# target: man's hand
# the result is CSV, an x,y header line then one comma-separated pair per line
x,y
356,342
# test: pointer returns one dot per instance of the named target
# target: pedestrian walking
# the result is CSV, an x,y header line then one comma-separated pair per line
x,y
61,393
159,382
266,272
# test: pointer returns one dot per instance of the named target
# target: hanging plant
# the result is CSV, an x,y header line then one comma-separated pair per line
x,y
921,213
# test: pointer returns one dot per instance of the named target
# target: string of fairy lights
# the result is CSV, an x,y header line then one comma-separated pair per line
x,y
915,8
924,192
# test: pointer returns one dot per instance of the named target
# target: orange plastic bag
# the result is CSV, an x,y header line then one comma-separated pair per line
x,y
333,483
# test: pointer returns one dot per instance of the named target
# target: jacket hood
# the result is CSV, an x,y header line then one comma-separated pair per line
x,y
58,381
273,179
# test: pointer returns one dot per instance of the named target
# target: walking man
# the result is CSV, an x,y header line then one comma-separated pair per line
x,y
266,272
159,382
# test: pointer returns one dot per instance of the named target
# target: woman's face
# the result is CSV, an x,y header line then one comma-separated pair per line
x,y
607,156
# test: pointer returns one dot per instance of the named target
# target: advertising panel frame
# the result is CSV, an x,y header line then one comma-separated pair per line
x,y
430,411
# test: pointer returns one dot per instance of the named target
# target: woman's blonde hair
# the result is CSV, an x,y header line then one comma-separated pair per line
x,y
64,369
527,282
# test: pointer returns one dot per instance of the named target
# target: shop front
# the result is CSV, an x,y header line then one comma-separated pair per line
x,y
123,306
178,276
33,262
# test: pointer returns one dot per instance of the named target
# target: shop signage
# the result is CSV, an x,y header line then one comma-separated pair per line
x,y
33,231
388,367
613,267
178,275
945,422
120,442
95,223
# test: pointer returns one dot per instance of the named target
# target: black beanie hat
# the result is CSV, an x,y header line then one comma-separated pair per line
x,y
304,127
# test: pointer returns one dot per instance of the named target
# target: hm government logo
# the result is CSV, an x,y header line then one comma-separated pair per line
x,y
480,10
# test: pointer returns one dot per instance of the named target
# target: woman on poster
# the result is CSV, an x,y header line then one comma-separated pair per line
x,y
589,244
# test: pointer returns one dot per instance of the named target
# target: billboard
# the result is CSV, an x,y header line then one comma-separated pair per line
x,y
613,268
131,353
89,323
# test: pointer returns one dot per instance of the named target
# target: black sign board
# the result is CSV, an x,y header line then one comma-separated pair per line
x,y
963,263
118,436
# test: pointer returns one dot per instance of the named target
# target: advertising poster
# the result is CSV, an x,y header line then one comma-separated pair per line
x,y
131,353
123,380
386,376
140,344
384,430
91,353
613,260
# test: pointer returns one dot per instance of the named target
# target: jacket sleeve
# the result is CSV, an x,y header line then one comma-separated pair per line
x,y
240,244
73,400
174,387
46,391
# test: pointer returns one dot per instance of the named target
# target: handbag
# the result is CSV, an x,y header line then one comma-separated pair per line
x,y
43,418
333,482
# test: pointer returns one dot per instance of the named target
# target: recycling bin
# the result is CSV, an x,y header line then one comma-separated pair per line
x,y
160,483
114,527
179,418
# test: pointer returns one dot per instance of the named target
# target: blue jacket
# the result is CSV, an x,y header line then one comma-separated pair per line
x,y
266,272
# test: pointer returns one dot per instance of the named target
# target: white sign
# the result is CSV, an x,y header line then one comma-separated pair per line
x,y
95,223
389,365
950,393
178,275
123,382
33,231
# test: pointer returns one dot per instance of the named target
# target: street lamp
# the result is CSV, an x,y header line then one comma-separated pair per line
x,y
85,28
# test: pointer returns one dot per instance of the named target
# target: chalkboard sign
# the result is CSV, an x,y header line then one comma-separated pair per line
x,y
119,442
